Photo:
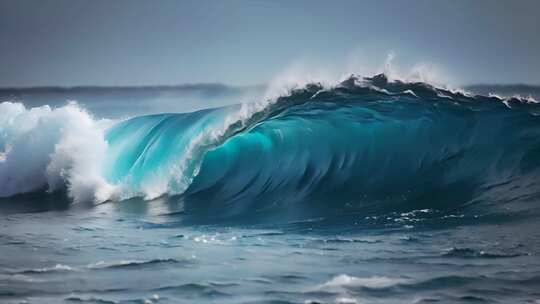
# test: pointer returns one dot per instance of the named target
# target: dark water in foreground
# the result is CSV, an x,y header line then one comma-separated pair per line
x,y
130,252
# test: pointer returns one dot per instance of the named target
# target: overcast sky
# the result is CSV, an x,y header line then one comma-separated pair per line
x,y
134,42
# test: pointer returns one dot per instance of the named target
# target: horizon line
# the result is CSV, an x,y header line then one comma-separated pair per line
x,y
207,85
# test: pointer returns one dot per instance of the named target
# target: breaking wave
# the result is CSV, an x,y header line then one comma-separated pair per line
x,y
363,142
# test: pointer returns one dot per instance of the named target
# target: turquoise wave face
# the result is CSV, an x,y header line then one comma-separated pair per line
x,y
148,151
335,151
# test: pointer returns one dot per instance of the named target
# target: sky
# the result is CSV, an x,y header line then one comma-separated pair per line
x,y
111,43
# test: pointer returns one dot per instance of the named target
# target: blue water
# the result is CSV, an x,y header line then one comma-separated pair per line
x,y
366,192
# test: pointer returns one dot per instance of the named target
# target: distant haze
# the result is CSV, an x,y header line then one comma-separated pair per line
x,y
131,42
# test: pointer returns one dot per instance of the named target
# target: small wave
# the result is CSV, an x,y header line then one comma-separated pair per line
x,y
352,240
261,234
374,282
56,268
155,298
132,263
96,300
438,282
195,288
474,253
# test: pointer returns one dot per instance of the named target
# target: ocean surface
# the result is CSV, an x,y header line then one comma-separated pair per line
x,y
366,191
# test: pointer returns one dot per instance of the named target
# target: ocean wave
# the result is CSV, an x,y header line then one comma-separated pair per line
x,y
361,143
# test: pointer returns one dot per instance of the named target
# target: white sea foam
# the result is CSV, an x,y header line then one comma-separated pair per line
x,y
302,72
56,268
344,280
343,283
51,148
